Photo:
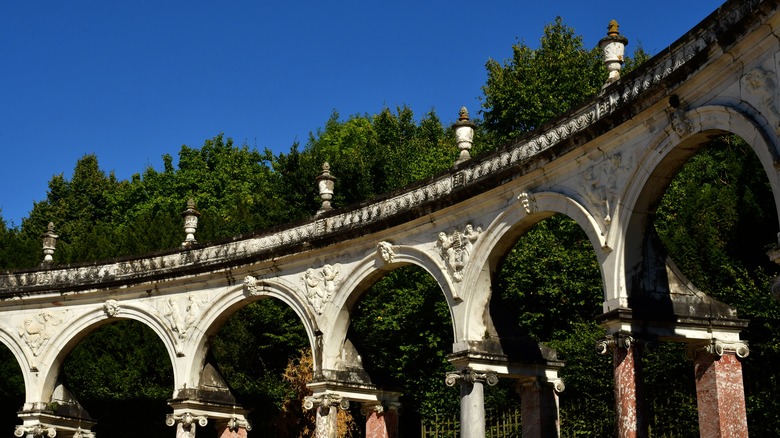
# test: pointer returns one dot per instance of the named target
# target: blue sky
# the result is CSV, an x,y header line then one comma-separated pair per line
x,y
131,81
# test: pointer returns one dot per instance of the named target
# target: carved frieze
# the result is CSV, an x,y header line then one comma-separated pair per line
x,y
456,249
37,330
600,184
182,314
321,285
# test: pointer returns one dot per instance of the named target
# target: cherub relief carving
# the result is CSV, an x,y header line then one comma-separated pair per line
x,y
456,248
37,330
181,321
321,285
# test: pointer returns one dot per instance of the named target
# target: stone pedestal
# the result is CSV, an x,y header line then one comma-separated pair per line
x,y
472,400
629,397
381,421
720,393
539,407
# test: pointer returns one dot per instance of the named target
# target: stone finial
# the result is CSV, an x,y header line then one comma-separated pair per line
x,y
325,182
614,47
49,245
464,135
190,223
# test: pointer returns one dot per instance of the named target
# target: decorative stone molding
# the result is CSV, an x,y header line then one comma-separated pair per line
x,y
37,430
37,330
321,285
456,248
528,201
600,182
718,348
182,316
187,420
325,401
470,376
111,307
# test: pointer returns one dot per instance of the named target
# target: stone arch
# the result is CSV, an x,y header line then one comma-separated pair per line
x,y
85,323
663,159
10,340
502,234
367,272
231,300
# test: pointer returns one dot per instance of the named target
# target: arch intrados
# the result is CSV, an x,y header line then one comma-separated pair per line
x,y
9,341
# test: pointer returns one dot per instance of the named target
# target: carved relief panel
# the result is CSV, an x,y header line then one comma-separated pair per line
x,y
456,248
601,184
320,285
182,313
37,330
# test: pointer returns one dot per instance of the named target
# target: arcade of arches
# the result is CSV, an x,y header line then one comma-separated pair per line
x,y
605,165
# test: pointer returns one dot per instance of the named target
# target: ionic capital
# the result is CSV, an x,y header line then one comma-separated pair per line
x,y
369,408
470,376
617,340
325,401
84,433
235,423
539,382
718,348
187,420
37,430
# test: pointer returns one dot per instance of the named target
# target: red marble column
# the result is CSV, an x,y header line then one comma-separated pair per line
x,y
629,397
539,408
720,393
381,422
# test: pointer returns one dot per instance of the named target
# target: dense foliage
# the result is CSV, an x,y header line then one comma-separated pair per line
x,y
716,220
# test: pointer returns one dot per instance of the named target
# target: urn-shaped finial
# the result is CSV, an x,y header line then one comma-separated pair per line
x,y
49,245
190,223
613,47
464,135
325,183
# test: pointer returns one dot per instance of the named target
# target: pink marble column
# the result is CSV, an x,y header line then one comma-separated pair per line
x,y
629,398
539,408
720,393
381,422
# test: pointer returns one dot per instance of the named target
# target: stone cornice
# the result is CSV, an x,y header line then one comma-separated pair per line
x,y
614,105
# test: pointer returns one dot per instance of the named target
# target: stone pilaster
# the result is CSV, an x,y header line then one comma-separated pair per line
x,y
234,427
186,423
629,396
472,400
327,405
720,393
381,420
539,407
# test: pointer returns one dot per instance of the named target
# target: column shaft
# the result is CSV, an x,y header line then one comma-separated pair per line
x,y
472,409
539,410
629,397
382,424
327,422
720,396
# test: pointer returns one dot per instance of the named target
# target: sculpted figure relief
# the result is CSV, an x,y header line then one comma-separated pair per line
x,y
36,331
456,249
181,322
321,285
386,251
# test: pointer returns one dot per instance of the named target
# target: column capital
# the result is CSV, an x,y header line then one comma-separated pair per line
x,y
37,430
236,423
187,420
471,376
624,340
80,433
539,382
368,408
717,348
325,400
